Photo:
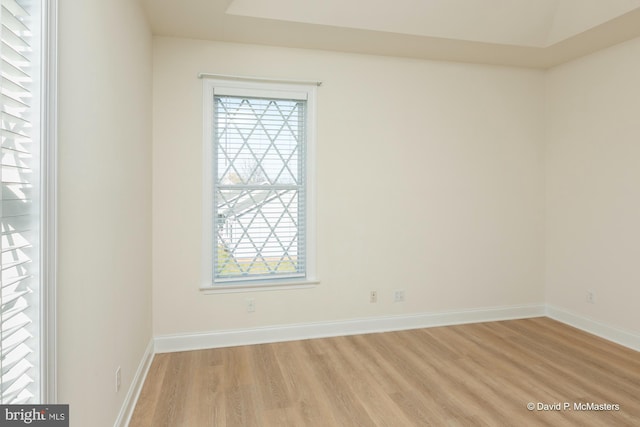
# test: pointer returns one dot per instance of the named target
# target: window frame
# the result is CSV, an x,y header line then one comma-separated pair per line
x,y
43,25
49,202
259,88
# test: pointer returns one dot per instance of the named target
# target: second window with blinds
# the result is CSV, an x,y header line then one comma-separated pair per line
x,y
258,184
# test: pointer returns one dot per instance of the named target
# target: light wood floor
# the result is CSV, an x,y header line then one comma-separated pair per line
x,y
469,375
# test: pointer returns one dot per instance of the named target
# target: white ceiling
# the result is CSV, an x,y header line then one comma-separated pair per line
x,y
535,23
532,33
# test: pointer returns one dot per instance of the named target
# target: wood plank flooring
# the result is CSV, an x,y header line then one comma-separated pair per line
x,y
469,375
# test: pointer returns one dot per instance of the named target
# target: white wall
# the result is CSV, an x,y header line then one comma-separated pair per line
x,y
450,206
430,180
592,187
104,283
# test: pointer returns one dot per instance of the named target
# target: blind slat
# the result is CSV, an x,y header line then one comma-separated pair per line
x,y
13,341
12,19
19,217
13,72
15,8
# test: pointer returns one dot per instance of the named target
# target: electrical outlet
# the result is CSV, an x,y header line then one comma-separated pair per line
x,y
251,305
373,296
398,296
118,379
591,297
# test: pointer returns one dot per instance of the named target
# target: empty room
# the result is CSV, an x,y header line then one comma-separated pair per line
x,y
333,213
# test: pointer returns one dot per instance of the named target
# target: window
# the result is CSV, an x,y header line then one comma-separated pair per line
x,y
26,214
258,183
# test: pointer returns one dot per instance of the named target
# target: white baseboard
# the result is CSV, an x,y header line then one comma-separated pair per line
x,y
610,333
129,404
198,341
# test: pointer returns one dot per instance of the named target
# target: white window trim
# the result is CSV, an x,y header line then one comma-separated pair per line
x,y
252,85
49,205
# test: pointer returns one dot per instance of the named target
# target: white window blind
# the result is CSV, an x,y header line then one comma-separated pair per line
x,y
20,208
259,185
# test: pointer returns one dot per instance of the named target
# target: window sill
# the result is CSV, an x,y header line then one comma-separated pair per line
x,y
281,285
